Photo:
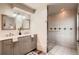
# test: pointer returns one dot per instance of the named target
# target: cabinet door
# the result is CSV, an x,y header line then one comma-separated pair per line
x,y
34,42
7,47
0,47
27,44
24,44
16,48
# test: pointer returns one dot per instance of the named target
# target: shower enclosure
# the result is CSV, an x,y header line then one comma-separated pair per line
x,y
62,25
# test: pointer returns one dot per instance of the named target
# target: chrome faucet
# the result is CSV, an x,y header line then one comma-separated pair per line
x,y
10,34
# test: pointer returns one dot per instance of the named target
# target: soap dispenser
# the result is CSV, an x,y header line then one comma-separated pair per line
x,y
19,31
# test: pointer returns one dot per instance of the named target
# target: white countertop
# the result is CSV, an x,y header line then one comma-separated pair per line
x,y
11,37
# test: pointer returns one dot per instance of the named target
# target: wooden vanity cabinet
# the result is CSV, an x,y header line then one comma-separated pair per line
x,y
24,45
34,42
7,47
16,48
0,47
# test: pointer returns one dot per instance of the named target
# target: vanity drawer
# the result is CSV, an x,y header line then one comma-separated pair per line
x,y
7,42
24,39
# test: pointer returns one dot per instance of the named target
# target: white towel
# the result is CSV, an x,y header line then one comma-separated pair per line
x,y
15,39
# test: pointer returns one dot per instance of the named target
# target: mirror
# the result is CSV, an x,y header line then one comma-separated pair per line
x,y
26,24
23,23
8,23
11,23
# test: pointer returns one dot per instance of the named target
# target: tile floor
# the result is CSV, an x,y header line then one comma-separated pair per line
x,y
57,50
60,50
51,45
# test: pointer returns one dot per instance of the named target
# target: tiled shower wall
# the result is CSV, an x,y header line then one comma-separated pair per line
x,y
62,29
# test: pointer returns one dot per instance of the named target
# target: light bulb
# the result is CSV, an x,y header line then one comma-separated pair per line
x,y
14,15
24,17
19,15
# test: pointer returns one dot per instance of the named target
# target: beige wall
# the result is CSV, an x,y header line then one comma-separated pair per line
x,y
39,26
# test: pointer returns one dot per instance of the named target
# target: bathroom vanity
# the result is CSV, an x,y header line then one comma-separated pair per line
x,y
20,43
23,45
15,36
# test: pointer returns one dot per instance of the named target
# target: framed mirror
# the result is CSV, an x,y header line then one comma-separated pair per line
x,y
26,24
8,23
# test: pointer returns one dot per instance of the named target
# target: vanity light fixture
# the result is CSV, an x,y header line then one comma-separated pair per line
x,y
14,14
19,15
24,17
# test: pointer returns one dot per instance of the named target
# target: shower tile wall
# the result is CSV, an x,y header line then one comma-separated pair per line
x,y
61,28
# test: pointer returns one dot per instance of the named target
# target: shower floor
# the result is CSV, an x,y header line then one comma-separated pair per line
x,y
60,50
50,45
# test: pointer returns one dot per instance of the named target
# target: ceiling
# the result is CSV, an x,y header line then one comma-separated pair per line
x,y
53,8
36,5
56,8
